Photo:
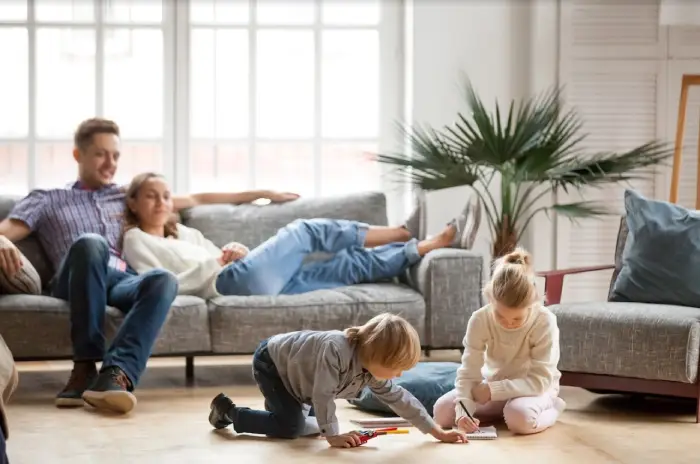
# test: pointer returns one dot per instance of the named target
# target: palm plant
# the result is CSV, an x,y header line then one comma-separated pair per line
x,y
536,150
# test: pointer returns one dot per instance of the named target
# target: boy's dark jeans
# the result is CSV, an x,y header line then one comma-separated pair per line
x,y
284,417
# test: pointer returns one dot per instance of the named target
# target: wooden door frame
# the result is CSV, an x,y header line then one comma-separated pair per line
x,y
689,80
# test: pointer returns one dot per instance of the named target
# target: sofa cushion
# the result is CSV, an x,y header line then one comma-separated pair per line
x,y
661,260
239,323
36,326
251,224
427,381
186,330
657,342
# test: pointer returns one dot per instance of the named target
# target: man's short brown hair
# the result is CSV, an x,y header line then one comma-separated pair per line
x,y
90,127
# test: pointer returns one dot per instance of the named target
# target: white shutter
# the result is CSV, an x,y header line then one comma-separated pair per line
x,y
612,72
601,29
689,159
618,105
684,42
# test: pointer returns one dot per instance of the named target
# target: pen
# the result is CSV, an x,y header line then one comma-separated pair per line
x,y
468,415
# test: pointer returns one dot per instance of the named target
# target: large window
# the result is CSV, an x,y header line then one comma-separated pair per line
x,y
216,94
64,61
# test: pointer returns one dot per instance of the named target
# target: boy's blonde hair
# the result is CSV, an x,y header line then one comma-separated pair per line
x,y
386,340
513,281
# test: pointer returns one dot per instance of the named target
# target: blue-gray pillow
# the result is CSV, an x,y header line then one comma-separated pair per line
x,y
661,259
427,381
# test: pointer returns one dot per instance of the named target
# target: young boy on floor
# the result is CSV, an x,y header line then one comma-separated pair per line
x,y
299,370
511,352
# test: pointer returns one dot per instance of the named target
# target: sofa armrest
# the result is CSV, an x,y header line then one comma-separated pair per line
x,y
554,280
450,281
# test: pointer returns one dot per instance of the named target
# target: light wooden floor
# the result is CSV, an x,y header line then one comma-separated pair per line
x,y
170,425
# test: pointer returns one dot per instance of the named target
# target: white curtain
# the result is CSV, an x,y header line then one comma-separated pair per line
x,y
679,13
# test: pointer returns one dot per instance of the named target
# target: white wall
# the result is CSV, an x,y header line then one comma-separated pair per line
x,y
508,48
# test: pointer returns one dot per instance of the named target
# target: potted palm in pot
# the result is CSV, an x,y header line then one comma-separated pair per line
x,y
518,157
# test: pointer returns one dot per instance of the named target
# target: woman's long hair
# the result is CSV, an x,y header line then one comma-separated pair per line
x,y
129,219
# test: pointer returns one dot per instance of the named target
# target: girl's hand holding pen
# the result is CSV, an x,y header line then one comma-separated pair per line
x,y
468,425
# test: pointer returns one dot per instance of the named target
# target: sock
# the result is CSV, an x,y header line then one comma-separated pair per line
x,y
310,427
559,404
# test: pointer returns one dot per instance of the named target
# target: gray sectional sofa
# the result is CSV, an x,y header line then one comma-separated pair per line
x,y
437,296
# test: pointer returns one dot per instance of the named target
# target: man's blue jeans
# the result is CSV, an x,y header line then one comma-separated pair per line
x,y
277,265
285,417
88,284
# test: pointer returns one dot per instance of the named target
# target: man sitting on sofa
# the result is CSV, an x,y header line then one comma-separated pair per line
x,y
79,227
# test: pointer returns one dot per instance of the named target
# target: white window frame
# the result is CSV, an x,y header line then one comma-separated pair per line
x,y
31,23
176,124
391,87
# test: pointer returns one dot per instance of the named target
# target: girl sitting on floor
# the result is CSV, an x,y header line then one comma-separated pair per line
x,y
511,352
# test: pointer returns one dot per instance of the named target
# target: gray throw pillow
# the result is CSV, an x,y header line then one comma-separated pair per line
x,y
25,282
661,259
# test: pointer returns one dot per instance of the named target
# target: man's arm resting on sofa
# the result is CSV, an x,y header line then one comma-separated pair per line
x,y
450,280
14,229
554,280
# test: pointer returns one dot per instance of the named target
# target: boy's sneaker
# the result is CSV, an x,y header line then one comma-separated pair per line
x,y
82,376
111,391
220,407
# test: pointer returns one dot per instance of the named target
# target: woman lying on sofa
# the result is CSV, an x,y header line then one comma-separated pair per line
x,y
361,252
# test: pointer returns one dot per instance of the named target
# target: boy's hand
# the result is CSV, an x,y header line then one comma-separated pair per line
x,y
467,425
345,440
450,436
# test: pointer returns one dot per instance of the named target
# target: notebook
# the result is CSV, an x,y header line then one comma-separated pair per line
x,y
484,433
380,422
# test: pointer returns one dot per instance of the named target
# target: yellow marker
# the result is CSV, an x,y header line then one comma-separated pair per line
x,y
396,432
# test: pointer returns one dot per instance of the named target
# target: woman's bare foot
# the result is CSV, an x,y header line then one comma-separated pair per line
x,y
441,240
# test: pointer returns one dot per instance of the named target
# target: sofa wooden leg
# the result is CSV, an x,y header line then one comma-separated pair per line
x,y
189,370
427,352
697,410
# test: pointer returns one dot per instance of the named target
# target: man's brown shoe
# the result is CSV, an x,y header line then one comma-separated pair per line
x,y
111,391
82,376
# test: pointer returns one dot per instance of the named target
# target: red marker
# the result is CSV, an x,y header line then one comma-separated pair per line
x,y
367,435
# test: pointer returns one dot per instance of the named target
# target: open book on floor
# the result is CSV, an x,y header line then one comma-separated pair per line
x,y
484,433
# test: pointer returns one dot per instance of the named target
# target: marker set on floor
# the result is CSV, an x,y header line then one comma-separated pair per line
x,y
366,435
